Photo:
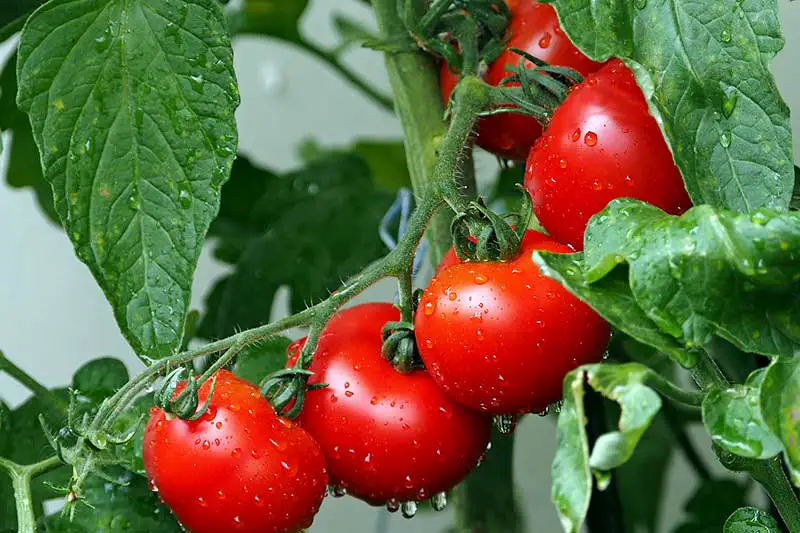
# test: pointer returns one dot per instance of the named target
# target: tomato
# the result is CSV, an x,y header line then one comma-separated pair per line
x,y
601,144
387,437
240,467
500,337
533,28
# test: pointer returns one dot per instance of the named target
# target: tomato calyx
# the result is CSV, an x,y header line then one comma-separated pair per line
x,y
400,347
184,405
480,234
286,390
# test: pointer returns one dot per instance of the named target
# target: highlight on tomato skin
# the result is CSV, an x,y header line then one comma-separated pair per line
x,y
387,437
501,337
534,28
601,144
239,467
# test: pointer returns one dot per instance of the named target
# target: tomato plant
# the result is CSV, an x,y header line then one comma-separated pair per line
x,y
500,337
387,436
658,303
238,467
601,144
534,29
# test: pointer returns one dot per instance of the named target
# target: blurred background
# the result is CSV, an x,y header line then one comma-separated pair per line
x,y
53,316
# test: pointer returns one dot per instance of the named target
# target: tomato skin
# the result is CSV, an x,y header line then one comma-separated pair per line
x,y
601,144
239,467
500,337
385,435
534,28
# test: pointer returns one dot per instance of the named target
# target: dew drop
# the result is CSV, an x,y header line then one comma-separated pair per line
x,y
596,185
234,407
729,101
184,196
479,334
452,296
159,425
590,139
236,453
429,308
544,42
206,445
505,424
337,491
259,501
409,509
562,163
392,506
439,501
725,139
133,202
255,455
197,81
640,4
576,135
218,425
725,35
278,444
220,495
348,393
544,412
373,400
153,486
201,502
480,279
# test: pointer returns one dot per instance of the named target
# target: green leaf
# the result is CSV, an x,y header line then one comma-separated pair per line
x,y
780,405
351,32
113,508
132,107
711,504
705,273
751,520
734,421
275,18
704,67
100,378
386,161
24,168
261,359
573,465
308,230
611,297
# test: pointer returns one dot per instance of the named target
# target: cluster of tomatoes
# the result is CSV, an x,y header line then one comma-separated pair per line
x,y
495,338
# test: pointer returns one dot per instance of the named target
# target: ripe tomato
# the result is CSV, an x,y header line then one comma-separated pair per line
x,y
534,28
601,144
239,467
500,337
386,436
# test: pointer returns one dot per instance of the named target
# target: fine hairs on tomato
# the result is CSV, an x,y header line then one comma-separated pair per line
x,y
239,467
601,144
501,337
534,28
386,436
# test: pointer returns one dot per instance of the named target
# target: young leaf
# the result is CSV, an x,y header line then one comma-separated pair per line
x,y
308,230
734,421
275,18
130,453
711,504
702,274
24,169
100,378
257,361
751,520
108,508
780,405
704,67
132,108
573,465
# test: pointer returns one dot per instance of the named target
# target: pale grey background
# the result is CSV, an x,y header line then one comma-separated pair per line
x,y
53,317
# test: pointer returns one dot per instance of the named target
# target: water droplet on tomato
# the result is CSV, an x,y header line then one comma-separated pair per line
x,y
206,445
505,424
480,279
479,334
217,442
392,506
234,407
153,486
220,495
285,422
201,502
439,501
159,425
452,296
218,425
409,509
562,163
544,412
334,399
576,135
590,138
259,501
236,453
544,42
596,185
348,393
429,308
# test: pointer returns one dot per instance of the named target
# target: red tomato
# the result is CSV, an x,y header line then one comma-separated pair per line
x,y
601,144
386,436
534,28
239,467
500,337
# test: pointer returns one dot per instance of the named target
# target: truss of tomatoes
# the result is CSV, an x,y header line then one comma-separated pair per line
x,y
495,338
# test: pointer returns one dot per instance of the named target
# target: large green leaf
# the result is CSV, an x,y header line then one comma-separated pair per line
x,y
24,169
705,273
751,520
307,230
100,378
780,405
574,465
734,421
132,107
704,67
261,359
115,508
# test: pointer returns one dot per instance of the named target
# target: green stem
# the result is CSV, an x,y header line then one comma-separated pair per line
x,y
772,476
418,103
670,390
21,480
331,59
42,393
